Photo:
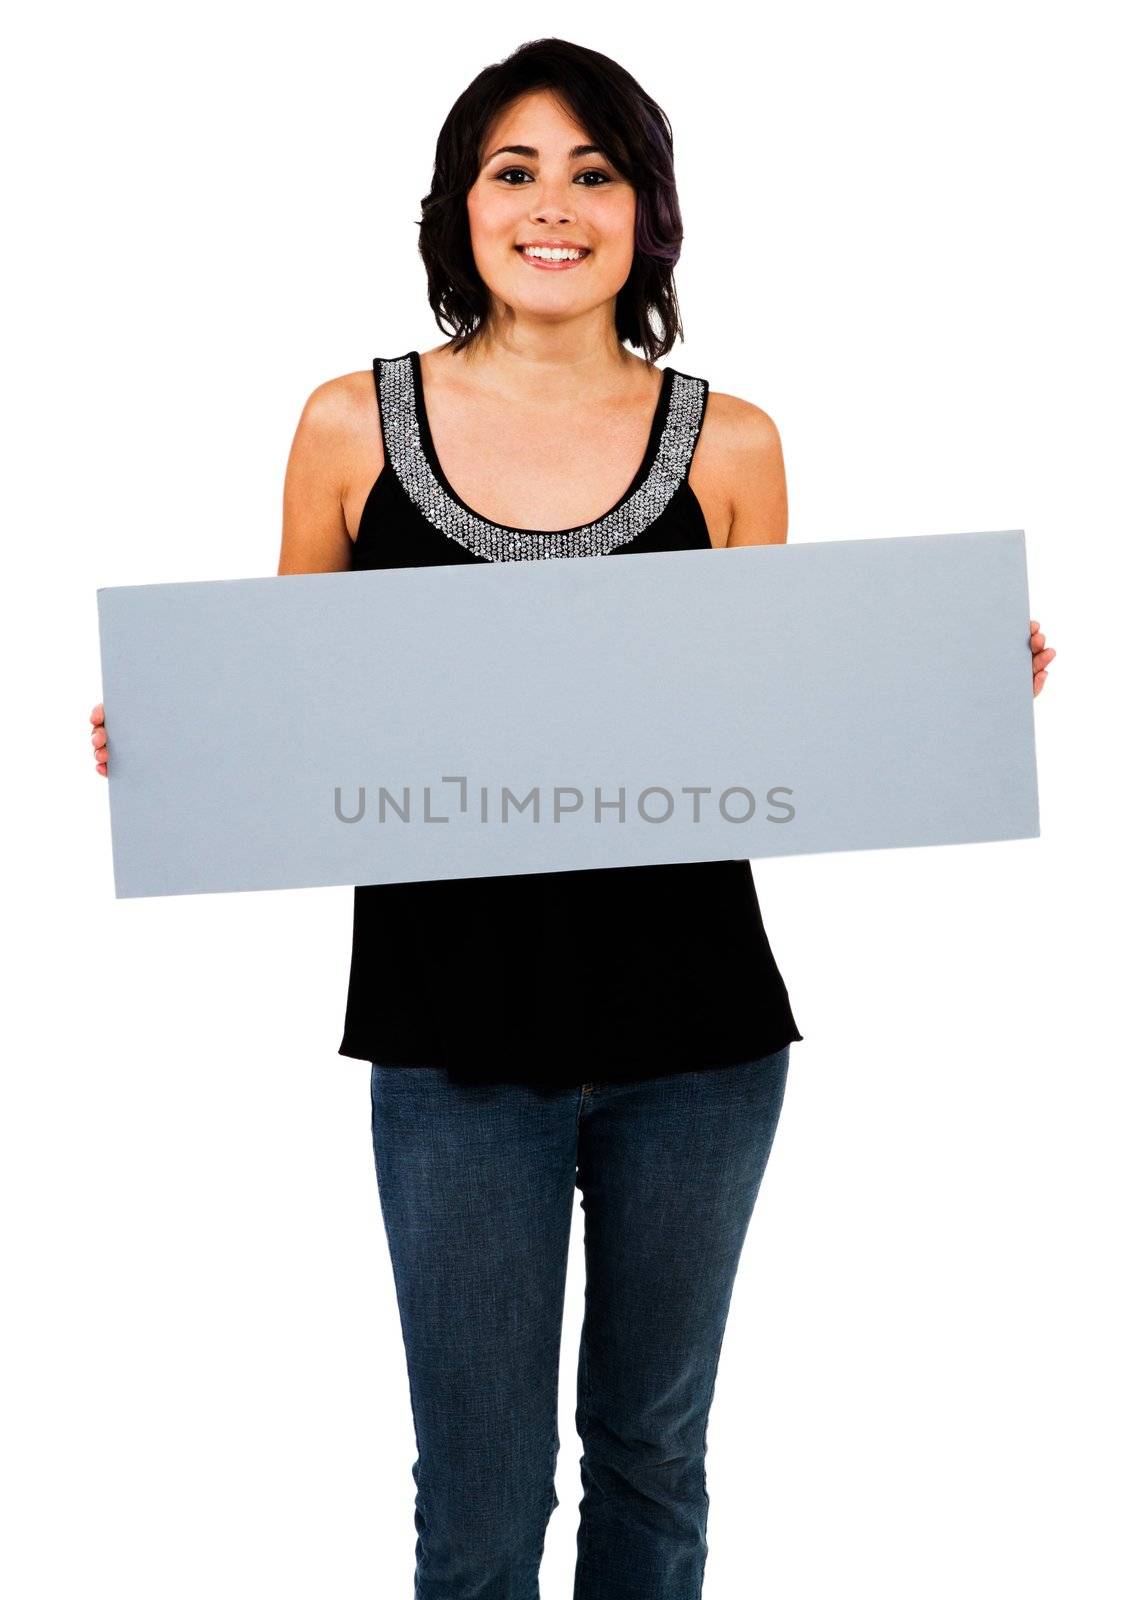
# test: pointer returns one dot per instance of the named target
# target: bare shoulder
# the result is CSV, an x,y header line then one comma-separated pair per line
x,y
738,424
336,453
743,462
342,410
338,440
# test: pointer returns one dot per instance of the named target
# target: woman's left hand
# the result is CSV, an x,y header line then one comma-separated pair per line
x,y
1040,658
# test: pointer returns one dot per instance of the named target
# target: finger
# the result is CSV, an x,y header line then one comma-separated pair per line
x,y
103,769
98,738
97,714
1038,640
1038,681
1033,626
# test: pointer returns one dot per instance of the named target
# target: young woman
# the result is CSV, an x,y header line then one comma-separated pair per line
x,y
624,1032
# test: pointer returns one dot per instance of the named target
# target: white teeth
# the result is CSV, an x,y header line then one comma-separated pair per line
x,y
545,254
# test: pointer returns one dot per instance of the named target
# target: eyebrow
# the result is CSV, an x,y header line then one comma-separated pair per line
x,y
528,150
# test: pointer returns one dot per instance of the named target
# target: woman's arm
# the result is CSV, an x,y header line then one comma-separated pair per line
x,y
756,474
757,491
331,447
314,536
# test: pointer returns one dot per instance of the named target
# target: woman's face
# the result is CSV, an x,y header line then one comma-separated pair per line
x,y
543,192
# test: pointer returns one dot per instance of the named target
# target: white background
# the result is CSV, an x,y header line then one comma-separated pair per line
x,y
900,243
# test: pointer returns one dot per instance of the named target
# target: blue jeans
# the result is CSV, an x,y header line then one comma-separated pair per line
x,y
476,1185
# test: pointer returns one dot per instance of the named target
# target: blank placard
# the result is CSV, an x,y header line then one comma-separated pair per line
x,y
569,713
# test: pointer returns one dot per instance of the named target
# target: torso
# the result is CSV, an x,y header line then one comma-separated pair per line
x,y
569,468
477,973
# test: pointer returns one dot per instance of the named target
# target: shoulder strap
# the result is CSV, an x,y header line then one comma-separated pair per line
x,y
397,412
691,405
383,404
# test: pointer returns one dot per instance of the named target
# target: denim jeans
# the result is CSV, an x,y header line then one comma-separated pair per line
x,y
476,1185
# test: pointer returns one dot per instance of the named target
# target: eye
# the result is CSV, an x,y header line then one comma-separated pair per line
x,y
592,172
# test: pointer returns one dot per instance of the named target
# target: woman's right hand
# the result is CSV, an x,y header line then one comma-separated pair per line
x,y
100,740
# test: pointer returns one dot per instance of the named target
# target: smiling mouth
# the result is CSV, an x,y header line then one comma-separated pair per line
x,y
549,264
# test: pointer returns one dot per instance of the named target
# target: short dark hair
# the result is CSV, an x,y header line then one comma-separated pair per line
x,y
635,135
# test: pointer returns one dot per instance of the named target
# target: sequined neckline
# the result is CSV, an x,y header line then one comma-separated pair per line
x,y
429,447
408,442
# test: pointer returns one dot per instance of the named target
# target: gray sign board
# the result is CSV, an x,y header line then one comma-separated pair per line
x,y
556,715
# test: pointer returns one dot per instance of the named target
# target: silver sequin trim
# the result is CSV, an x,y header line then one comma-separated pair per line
x,y
401,427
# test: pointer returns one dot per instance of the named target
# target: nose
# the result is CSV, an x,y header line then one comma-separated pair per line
x,y
553,204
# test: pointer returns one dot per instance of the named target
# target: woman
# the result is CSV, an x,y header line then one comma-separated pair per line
x,y
621,1031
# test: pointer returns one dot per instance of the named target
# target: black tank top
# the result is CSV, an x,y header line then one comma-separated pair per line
x,y
554,978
